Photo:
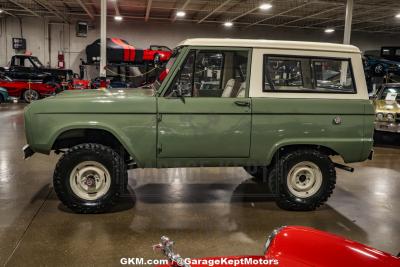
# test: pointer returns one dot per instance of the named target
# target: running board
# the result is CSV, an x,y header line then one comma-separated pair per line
x,y
343,167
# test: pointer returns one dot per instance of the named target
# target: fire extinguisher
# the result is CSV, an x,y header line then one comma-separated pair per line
x,y
61,61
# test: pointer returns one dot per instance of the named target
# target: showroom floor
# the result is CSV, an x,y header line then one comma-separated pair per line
x,y
207,211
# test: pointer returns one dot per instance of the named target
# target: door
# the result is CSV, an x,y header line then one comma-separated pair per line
x,y
205,111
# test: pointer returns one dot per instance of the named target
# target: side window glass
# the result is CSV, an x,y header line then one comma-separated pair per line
x,y
220,74
307,74
208,73
333,75
183,81
283,74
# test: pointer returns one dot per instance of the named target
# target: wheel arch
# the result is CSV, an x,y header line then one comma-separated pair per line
x,y
287,148
71,136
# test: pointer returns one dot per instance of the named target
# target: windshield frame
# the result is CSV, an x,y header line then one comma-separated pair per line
x,y
178,53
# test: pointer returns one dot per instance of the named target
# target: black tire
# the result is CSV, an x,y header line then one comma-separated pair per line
x,y
278,180
104,155
1,99
260,173
30,95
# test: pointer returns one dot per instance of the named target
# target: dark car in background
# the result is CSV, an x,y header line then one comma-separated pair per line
x,y
4,97
29,68
376,66
391,53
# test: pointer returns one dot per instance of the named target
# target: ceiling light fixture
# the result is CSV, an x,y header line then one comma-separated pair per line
x,y
265,6
329,30
398,16
118,18
228,24
1,11
181,14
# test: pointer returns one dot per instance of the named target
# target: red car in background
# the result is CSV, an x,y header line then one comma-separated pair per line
x,y
27,91
295,246
157,53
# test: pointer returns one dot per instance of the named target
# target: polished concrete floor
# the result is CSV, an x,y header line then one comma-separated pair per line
x,y
207,211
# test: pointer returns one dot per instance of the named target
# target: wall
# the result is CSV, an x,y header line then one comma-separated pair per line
x,y
142,34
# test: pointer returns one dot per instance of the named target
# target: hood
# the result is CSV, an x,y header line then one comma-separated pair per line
x,y
100,101
387,106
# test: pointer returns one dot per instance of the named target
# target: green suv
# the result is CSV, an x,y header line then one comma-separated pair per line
x,y
278,108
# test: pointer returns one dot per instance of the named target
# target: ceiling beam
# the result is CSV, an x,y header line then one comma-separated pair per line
x,y
47,6
183,7
86,9
214,10
148,9
312,15
277,15
24,8
116,8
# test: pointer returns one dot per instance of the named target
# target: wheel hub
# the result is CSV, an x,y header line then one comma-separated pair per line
x,y
90,180
304,179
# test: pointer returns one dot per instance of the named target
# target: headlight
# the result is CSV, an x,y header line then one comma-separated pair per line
x,y
271,238
390,117
379,116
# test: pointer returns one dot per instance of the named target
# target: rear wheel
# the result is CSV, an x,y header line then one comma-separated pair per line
x,y
30,95
88,178
305,179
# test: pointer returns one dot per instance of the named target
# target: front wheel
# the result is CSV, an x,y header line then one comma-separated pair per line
x,y
30,95
88,178
304,179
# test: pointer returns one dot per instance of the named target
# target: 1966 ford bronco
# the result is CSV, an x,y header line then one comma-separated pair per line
x,y
283,108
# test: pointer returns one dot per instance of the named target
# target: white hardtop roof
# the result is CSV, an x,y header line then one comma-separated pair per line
x,y
273,44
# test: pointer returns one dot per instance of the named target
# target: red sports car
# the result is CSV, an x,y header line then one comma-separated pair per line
x,y
27,91
294,246
120,51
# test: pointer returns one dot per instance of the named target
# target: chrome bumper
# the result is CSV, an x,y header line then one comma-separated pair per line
x,y
393,127
28,152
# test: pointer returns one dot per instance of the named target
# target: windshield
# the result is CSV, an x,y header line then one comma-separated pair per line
x,y
169,64
37,62
390,92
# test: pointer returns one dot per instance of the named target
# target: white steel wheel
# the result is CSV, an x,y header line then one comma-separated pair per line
x,y
304,179
31,95
90,180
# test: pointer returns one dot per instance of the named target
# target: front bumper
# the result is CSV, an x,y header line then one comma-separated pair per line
x,y
28,152
393,127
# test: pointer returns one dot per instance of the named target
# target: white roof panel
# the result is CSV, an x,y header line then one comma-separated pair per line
x,y
273,44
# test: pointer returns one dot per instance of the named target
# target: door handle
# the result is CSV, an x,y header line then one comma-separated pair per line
x,y
242,103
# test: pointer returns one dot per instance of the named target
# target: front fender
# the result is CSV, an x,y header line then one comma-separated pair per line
x,y
137,133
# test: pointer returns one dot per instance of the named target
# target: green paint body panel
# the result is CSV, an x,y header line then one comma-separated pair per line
x,y
210,131
204,131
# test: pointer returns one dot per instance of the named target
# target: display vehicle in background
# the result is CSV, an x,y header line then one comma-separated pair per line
x,y
29,68
377,66
4,97
27,91
387,108
120,51
391,53
274,105
292,246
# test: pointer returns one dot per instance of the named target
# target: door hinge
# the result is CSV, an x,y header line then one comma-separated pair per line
x,y
159,149
159,117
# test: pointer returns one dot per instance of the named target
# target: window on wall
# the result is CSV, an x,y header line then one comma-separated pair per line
x,y
308,74
213,74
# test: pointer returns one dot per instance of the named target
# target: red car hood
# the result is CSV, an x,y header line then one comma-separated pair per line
x,y
303,246
298,246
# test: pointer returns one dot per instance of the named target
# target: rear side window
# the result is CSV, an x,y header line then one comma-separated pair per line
x,y
308,74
